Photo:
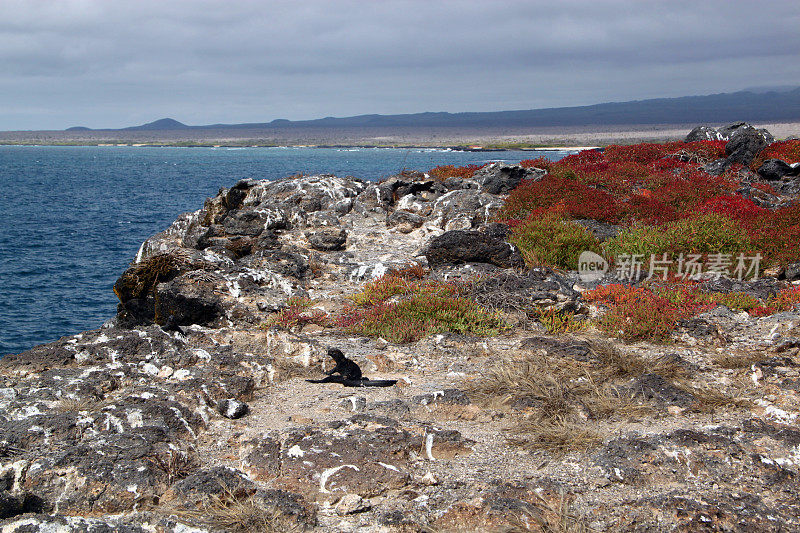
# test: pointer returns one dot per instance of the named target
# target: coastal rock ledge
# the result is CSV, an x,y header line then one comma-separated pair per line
x,y
190,411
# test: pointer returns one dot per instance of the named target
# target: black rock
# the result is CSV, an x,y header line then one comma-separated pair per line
x,y
725,133
717,167
232,408
463,246
204,485
286,262
744,145
407,182
703,133
499,178
759,197
10,504
775,169
268,240
188,299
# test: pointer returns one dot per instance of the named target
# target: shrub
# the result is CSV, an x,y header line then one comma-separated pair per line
x,y
704,234
787,151
659,185
707,233
689,189
776,234
697,152
762,310
647,317
410,271
556,322
553,241
647,313
419,316
737,301
733,207
643,208
296,313
403,311
442,172
582,159
539,162
385,287
643,153
785,300
578,199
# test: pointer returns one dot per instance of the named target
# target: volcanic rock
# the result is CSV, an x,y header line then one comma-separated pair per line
x,y
460,246
498,178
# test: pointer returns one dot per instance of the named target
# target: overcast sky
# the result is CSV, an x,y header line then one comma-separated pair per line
x,y
102,63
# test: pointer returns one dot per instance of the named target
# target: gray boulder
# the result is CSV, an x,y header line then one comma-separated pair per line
x,y
464,209
328,239
405,183
404,221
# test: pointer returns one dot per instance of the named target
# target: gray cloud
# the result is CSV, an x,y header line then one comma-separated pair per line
x,y
115,63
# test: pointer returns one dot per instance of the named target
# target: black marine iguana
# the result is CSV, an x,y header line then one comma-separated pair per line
x,y
349,373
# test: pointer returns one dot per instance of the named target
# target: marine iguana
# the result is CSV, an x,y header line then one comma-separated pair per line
x,y
349,373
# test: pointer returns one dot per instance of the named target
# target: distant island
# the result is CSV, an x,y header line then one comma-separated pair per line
x,y
654,119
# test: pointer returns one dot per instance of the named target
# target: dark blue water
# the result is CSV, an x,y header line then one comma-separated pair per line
x,y
74,217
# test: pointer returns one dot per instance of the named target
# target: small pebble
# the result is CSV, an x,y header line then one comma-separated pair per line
x,y
351,504
429,479
232,408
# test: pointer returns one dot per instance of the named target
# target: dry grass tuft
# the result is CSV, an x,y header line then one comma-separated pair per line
x,y
563,398
559,518
708,400
739,360
231,514
73,405
557,435
176,465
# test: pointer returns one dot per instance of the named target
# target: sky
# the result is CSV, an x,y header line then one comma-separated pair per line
x,y
111,64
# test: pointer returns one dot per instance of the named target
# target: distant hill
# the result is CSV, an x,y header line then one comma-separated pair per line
x,y
759,105
162,124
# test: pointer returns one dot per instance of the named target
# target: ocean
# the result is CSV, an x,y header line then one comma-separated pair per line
x,y
74,217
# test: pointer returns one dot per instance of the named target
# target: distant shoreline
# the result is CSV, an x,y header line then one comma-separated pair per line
x,y
486,139
335,147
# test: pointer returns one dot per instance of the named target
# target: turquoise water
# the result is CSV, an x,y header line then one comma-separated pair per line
x,y
74,217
